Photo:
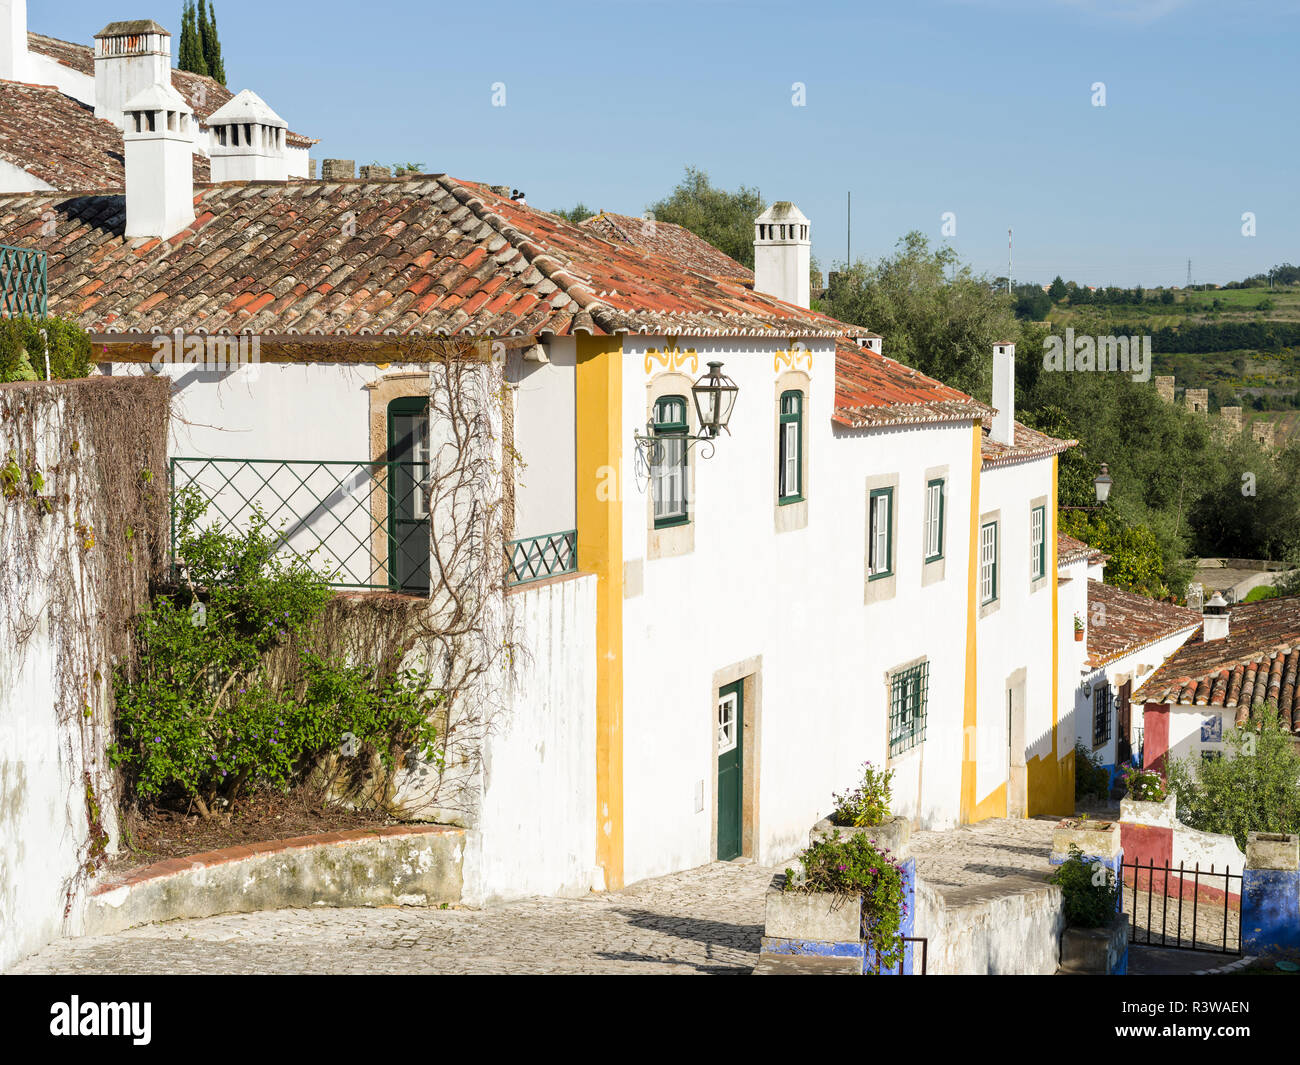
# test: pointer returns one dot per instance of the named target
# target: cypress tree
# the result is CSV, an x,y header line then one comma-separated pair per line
x,y
212,46
191,56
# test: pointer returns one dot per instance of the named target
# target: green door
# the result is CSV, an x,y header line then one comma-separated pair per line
x,y
408,513
731,766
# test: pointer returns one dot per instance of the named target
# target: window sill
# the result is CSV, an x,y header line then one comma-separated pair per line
x,y
672,523
883,575
785,501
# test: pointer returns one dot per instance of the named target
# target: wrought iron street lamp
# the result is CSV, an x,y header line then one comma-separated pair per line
x,y
715,398
1101,485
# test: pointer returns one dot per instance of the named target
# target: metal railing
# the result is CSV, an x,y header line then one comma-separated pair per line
x,y
1182,908
22,282
535,558
362,524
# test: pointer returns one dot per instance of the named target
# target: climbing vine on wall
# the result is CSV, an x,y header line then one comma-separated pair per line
x,y
83,532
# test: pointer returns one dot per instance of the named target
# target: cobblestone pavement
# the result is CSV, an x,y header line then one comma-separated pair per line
x,y
706,920
984,852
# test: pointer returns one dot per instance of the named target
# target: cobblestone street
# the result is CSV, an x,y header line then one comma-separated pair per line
x,y
706,920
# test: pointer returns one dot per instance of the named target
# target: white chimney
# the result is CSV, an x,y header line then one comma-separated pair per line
x,y
247,141
872,342
159,143
1214,619
1004,393
129,58
13,40
783,254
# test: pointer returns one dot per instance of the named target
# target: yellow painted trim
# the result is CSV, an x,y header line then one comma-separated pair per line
x,y
968,808
994,804
599,453
1050,779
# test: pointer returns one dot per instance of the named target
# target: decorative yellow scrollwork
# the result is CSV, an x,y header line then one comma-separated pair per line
x,y
671,358
797,356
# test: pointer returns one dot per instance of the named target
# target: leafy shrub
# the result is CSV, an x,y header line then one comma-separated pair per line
x,y
1143,785
22,349
854,866
1089,890
1253,787
205,719
868,803
1090,776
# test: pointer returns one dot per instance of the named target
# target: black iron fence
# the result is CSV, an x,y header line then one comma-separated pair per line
x,y
1182,908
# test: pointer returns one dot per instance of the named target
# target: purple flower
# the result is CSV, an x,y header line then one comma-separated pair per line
x,y
841,868
157,739
874,870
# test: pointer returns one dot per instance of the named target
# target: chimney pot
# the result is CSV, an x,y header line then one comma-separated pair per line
x,y
1214,619
247,140
129,58
783,254
1004,394
158,144
375,171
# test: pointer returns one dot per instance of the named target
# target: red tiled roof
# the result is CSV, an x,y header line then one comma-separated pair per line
x,y
59,141
1122,622
426,255
1028,444
1068,550
671,241
871,389
1257,661
203,94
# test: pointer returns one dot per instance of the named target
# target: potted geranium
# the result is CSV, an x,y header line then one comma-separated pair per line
x,y
1078,629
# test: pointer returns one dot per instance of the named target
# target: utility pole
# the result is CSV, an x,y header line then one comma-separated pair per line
x,y
1189,273
1008,260
848,241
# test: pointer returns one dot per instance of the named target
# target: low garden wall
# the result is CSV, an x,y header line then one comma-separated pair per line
x,y
1012,927
1153,836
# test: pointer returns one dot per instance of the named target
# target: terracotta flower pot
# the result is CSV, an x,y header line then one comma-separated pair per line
x,y
1078,635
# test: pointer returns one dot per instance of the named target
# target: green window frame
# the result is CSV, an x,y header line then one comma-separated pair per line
x,y
988,562
880,534
669,472
935,491
1038,543
790,449
909,691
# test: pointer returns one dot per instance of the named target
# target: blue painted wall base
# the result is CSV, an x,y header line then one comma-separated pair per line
x,y
1270,910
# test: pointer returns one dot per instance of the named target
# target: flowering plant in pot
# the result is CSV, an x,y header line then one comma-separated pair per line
x,y
1078,628
853,866
1144,785
868,803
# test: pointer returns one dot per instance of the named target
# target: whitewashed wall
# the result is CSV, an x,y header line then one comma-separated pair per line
x,y
792,602
1019,633
544,407
537,828
1072,599
44,828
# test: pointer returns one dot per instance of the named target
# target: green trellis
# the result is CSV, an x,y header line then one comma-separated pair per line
x,y
22,282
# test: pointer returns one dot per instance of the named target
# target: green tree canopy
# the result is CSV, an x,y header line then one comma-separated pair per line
x,y
725,219
580,212
1057,291
935,313
190,55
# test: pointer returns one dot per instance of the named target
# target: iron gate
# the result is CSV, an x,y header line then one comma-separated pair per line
x,y
1182,908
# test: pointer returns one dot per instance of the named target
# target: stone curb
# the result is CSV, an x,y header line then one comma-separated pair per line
x,y
1231,967
395,865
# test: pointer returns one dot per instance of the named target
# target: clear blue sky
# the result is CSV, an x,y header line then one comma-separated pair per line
x,y
979,107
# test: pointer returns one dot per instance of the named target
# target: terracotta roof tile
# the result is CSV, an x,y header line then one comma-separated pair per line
x,y
1131,622
1258,661
253,243
672,242
1028,444
871,390
59,141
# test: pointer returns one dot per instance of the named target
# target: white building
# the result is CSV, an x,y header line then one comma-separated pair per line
x,y
721,627
62,105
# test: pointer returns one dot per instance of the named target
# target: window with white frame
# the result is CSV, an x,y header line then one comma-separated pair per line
x,y
880,546
1037,542
934,520
791,472
668,472
988,562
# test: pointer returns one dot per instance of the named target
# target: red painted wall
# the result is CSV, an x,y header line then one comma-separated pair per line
x,y
1155,735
